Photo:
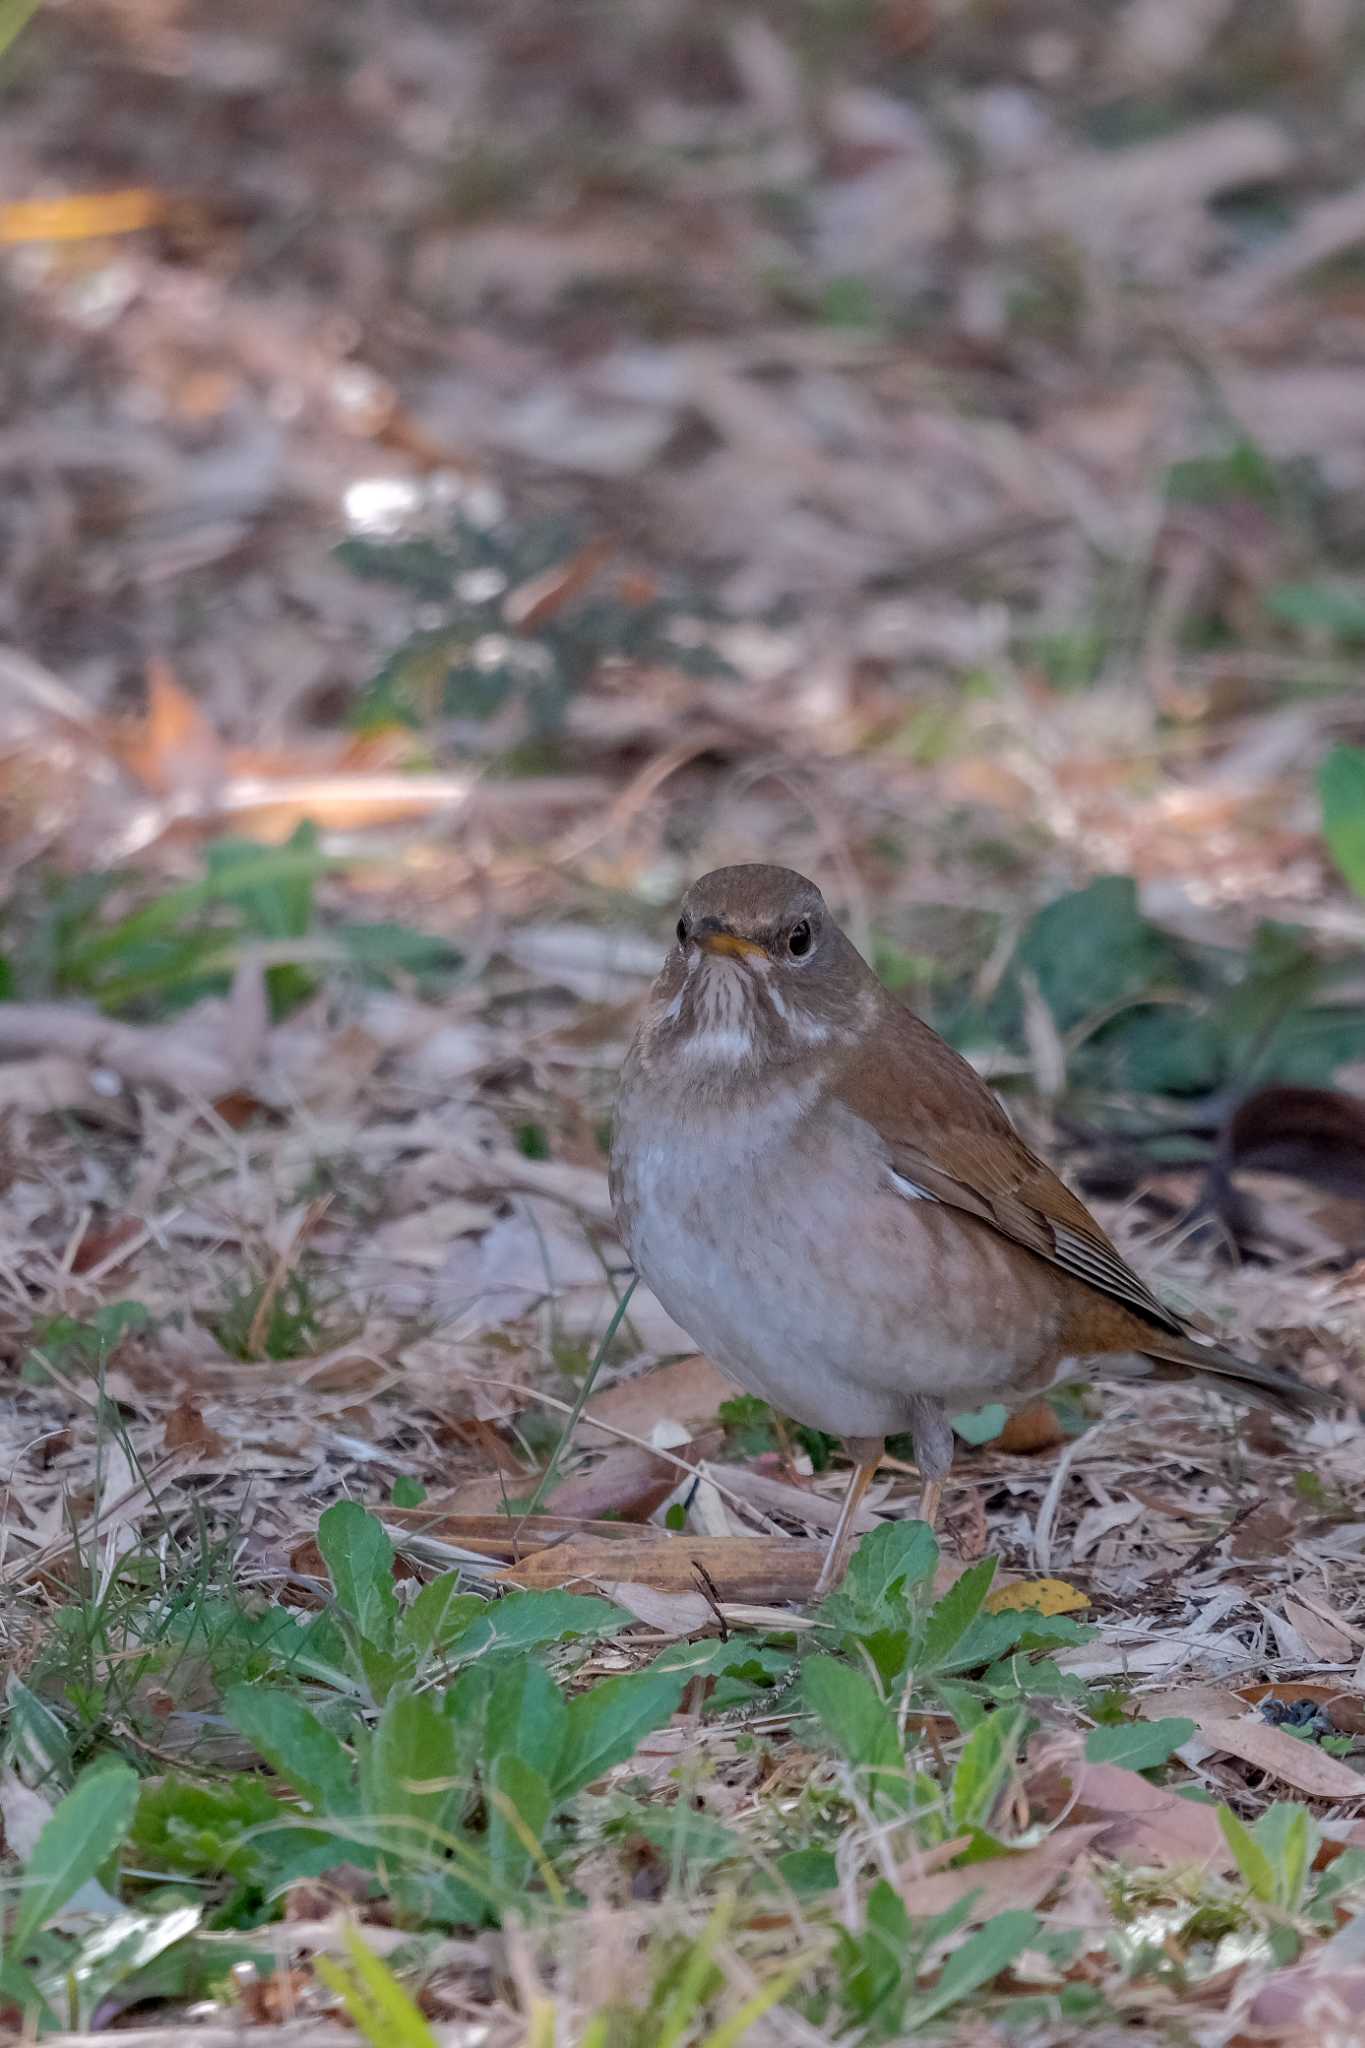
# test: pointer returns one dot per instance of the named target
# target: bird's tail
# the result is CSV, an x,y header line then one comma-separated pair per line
x,y
1266,1386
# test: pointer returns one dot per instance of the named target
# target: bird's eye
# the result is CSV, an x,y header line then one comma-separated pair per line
x,y
799,939
682,931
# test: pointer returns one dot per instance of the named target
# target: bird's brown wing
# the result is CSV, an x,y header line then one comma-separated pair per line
x,y
948,1139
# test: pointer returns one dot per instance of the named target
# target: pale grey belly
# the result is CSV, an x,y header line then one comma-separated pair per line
x,y
823,1290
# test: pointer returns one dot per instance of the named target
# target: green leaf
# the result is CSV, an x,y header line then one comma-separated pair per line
x,y
890,1557
519,1808
529,1621
83,1831
295,1743
1337,609
1138,1745
380,948
438,1615
412,1772
1092,948
608,1724
950,1618
1252,1858
989,1951
982,1770
1341,785
359,1560
190,1830
525,1716
979,1425
859,1724
1290,1837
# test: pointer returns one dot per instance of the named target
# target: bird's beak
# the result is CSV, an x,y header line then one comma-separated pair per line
x,y
729,943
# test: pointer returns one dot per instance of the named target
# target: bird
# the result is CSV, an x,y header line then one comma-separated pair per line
x,y
837,1210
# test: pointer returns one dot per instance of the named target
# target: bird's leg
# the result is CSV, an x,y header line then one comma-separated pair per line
x,y
933,1453
866,1453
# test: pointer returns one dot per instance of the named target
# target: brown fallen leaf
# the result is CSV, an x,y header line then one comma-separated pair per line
x,y
1137,1822
1309,1997
531,603
1022,1879
779,1496
739,1567
1035,1428
503,1535
629,1481
1224,1725
187,1430
673,1614
686,1390
1324,1639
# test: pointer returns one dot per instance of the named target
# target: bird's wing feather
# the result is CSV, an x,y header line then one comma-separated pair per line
x,y
946,1134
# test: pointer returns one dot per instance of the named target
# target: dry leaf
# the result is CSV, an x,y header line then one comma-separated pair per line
x,y
739,1567
1143,1823
1022,1879
1325,1641
1273,1750
628,1481
687,1390
1035,1428
186,1429
1039,1596
673,1614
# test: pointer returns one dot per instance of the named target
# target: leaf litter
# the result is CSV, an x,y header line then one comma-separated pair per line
x,y
784,491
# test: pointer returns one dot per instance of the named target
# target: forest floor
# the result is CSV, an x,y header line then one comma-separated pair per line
x,y
466,473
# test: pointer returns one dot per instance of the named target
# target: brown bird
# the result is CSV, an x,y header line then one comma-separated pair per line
x,y
835,1207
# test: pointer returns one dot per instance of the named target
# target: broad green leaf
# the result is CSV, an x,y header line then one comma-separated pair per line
x,y
525,1716
1253,1860
84,1830
412,1772
295,1743
984,1767
1341,785
359,1560
949,1618
892,1556
979,1425
1290,1837
989,1951
859,1724
1092,948
991,1636
1137,1745
438,1614
608,1724
519,1808
528,1621
383,1670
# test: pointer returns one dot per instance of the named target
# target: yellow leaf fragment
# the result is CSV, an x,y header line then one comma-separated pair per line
x,y
1040,1596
